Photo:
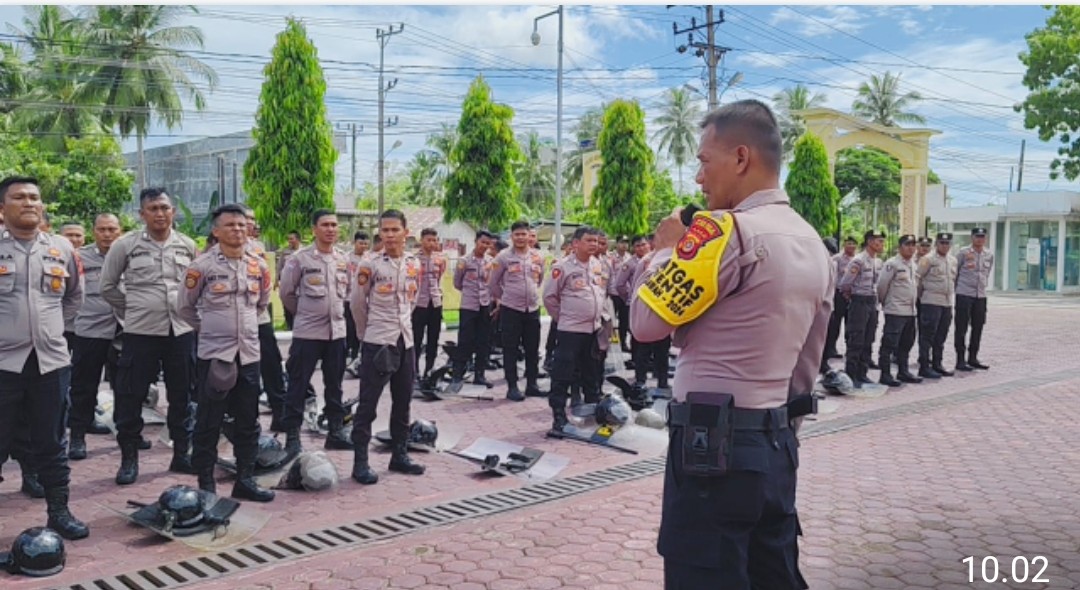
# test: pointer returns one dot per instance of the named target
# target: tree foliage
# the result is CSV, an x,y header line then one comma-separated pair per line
x,y
290,170
625,182
86,179
881,102
1053,78
481,188
877,176
536,177
789,101
810,187
586,129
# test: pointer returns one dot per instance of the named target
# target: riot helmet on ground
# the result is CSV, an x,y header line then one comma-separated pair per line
x,y
36,552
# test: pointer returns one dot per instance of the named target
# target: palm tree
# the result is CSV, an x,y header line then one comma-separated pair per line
x,y
881,102
58,99
144,67
789,101
587,129
425,188
12,77
678,128
440,144
537,179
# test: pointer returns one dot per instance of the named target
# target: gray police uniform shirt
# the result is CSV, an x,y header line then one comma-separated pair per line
x,y
897,287
973,271
862,275
937,279
40,288
222,299
515,279
314,288
840,264
574,295
471,276
140,279
257,248
432,268
383,299
96,318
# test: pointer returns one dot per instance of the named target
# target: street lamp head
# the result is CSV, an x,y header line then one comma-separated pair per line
x,y
535,37
396,145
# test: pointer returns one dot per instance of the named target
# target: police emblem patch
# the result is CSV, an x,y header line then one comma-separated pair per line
x,y
57,283
556,273
191,279
363,276
703,230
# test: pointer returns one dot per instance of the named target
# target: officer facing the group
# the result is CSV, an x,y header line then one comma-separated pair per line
x,y
897,289
574,297
515,282
314,288
974,264
383,300
95,328
40,286
225,290
273,378
858,287
139,279
840,263
750,334
937,285
471,280
427,317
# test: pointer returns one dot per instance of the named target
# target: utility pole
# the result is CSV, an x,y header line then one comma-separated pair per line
x,y
1020,174
353,131
383,37
707,50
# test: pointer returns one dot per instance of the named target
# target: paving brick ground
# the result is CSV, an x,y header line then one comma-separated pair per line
x,y
895,504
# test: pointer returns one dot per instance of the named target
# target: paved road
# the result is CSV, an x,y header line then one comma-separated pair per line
x,y
894,493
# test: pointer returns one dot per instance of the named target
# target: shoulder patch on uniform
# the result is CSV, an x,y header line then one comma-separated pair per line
x,y
363,275
556,273
191,278
702,230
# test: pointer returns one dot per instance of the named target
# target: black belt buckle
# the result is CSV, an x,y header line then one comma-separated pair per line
x,y
707,434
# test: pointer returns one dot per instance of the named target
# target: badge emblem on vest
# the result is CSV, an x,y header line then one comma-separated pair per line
x,y
703,230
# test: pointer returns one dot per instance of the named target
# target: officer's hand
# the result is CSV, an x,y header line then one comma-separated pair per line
x,y
669,232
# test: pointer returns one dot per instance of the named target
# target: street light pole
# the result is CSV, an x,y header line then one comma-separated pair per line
x,y
556,242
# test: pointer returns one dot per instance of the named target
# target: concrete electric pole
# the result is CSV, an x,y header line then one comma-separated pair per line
x,y
384,38
708,50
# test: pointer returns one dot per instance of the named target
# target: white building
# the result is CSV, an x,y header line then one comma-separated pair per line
x,y
1035,237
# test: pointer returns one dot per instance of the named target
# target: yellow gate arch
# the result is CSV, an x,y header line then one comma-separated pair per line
x,y
911,146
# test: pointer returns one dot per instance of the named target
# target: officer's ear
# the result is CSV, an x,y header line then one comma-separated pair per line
x,y
742,158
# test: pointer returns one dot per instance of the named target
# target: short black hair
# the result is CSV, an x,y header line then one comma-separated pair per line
x,y
377,240
623,240
152,192
227,208
522,224
319,214
10,180
638,239
295,234
484,234
581,232
102,215
360,235
394,214
501,245
753,123
830,245
429,231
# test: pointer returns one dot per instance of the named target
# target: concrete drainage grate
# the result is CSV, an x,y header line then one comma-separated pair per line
x,y
201,569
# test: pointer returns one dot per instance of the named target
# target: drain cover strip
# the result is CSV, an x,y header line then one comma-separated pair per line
x,y
231,561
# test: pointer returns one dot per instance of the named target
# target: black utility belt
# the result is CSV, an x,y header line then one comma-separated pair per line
x,y
740,418
864,298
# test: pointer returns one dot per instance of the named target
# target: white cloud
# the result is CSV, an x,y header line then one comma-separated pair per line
x,y
910,26
763,59
825,23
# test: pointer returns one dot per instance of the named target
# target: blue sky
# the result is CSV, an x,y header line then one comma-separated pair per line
x,y
962,59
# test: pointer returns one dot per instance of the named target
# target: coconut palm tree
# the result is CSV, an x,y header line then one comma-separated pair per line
x,y
880,101
536,179
144,67
789,101
12,77
587,129
678,128
58,100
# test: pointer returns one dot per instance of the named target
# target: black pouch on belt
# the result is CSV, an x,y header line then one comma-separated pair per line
x,y
707,432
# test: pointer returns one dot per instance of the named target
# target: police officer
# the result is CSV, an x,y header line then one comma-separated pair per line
x,y
427,316
95,328
897,289
39,286
273,378
225,290
283,255
937,285
361,244
471,279
619,259
383,300
925,245
750,341
140,278
840,303
515,282
314,288
574,297
858,287
607,316
974,264
640,351
76,234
